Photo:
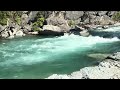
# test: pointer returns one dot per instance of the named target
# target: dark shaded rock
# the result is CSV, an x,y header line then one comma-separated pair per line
x,y
51,30
79,31
115,56
50,33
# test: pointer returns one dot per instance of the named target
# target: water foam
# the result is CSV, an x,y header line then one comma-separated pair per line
x,y
48,48
112,29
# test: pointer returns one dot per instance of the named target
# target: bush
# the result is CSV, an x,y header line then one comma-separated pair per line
x,y
116,16
18,20
3,17
71,23
12,15
39,20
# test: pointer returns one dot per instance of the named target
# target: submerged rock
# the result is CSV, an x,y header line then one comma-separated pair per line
x,y
99,56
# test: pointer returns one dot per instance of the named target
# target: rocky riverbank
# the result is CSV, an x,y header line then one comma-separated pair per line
x,y
58,22
109,68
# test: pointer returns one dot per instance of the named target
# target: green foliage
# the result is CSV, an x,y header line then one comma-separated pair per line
x,y
116,16
18,20
35,28
3,17
39,20
12,15
71,23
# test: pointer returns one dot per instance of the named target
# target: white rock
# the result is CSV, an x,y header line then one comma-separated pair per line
x,y
52,28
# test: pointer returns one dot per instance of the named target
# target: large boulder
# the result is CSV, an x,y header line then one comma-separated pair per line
x,y
51,30
79,31
19,33
105,20
84,33
4,34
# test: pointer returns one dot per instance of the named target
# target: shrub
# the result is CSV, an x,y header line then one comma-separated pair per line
x,y
18,20
13,15
116,16
3,17
39,20
71,23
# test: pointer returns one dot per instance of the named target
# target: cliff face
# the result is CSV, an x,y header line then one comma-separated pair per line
x,y
65,20
87,17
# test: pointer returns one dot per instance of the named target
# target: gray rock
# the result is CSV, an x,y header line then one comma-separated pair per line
x,y
19,33
84,33
106,20
92,12
32,15
10,37
87,21
115,56
110,13
58,21
101,13
79,31
33,33
4,34
10,33
107,69
51,30
73,15
24,19
2,28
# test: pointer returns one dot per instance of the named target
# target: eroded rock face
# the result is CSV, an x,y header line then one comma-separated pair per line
x,y
58,20
106,69
11,32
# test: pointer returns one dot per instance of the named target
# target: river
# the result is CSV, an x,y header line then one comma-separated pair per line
x,y
35,57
